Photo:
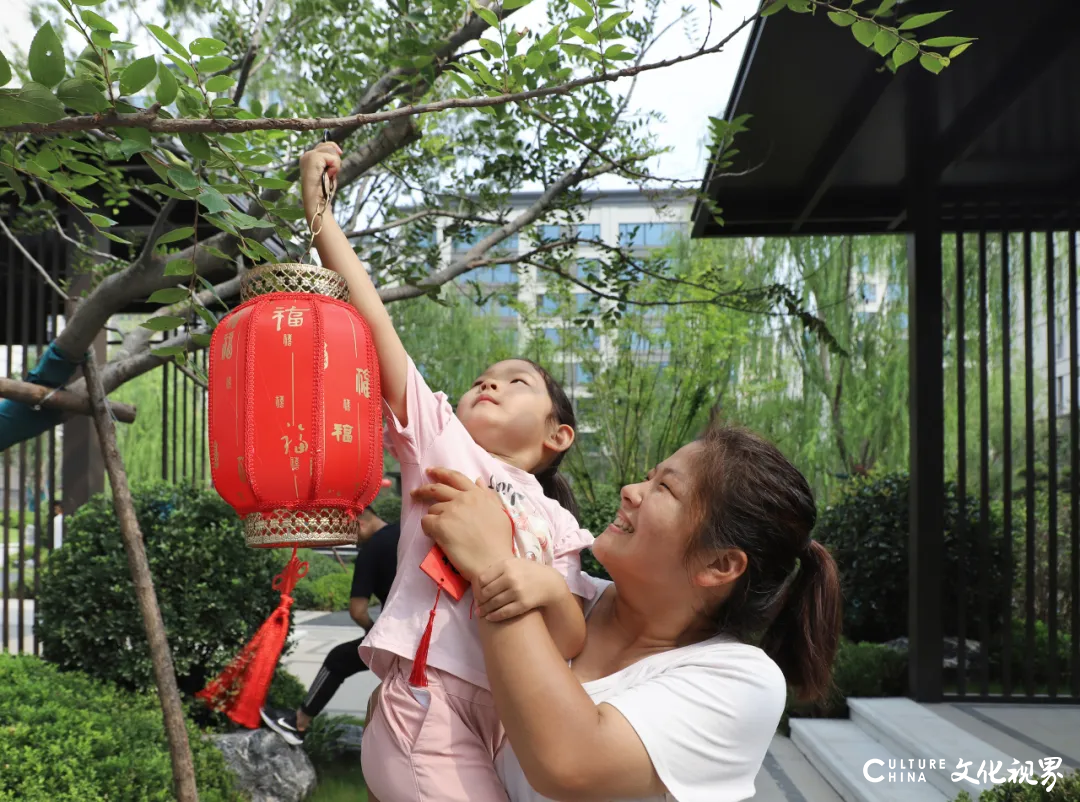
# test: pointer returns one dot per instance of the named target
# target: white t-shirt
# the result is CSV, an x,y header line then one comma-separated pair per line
x,y
706,714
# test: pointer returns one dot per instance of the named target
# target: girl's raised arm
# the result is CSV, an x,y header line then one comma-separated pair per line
x,y
337,254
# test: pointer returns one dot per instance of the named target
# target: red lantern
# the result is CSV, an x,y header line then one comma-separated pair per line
x,y
295,438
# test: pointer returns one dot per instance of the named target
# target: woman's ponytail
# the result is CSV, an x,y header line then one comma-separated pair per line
x,y
804,636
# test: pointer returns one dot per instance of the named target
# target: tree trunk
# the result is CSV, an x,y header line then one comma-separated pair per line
x,y
183,766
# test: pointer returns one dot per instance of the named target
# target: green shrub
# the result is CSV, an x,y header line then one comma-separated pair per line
x,y
596,516
867,533
387,506
214,591
332,592
70,738
1066,789
1039,655
287,692
868,670
319,565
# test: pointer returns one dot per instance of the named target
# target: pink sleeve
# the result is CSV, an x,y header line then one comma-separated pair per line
x,y
568,541
427,413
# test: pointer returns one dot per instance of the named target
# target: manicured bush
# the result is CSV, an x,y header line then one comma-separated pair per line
x,y
387,506
305,597
331,592
214,591
596,515
868,670
867,533
286,691
1065,789
70,738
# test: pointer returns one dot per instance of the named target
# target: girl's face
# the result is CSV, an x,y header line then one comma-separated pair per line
x,y
508,412
647,540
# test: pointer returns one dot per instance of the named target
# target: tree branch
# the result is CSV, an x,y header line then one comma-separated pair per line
x,y
253,46
33,262
149,120
413,218
156,230
37,396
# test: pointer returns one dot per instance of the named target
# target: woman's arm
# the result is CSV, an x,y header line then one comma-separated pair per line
x,y
337,254
569,748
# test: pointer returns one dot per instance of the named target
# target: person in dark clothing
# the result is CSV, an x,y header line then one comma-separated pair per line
x,y
373,574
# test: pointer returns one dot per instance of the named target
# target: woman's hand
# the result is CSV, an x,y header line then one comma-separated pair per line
x,y
324,157
467,520
512,587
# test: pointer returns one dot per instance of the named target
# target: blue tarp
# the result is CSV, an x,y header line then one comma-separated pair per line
x,y
18,421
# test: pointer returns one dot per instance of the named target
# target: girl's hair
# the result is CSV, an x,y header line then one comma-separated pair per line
x,y
754,500
554,484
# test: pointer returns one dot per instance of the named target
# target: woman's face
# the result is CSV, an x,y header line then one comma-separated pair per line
x,y
649,536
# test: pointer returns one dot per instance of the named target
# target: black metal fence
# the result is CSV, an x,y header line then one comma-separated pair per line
x,y
1011,390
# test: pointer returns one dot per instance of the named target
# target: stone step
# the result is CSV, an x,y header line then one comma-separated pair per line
x,y
840,751
913,732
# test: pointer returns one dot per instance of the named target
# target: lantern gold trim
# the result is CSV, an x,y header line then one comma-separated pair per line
x,y
292,277
323,527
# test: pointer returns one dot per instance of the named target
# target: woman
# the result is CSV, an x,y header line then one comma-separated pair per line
x,y
668,700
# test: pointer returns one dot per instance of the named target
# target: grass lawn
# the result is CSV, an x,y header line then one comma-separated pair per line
x,y
342,783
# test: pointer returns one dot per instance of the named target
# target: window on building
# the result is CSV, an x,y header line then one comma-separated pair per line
x,y
583,300
893,293
553,336
647,235
550,233
547,303
463,241
869,293
589,231
582,375
584,267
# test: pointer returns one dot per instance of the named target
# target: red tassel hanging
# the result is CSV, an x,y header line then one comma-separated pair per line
x,y
240,690
418,677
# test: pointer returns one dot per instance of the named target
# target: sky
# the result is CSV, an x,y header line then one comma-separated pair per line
x,y
686,94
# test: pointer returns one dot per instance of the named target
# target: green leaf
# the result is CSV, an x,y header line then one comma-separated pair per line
x,y
163,322
956,51
242,220
206,315
214,63
198,146
584,7
492,47
168,191
180,267
169,350
89,2
175,235
81,95
842,18
100,220
102,39
612,22
97,22
486,15
214,201
167,86
947,41
110,236
932,63
289,213
273,183
46,60
904,52
779,5
864,32
220,83
920,20
534,58
169,41
183,178
584,35
82,167
185,68
5,70
48,161
171,295
14,181
201,340
137,75
885,7
207,47
885,41
129,147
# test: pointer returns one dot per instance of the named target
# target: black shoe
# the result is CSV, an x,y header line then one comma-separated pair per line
x,y
283,722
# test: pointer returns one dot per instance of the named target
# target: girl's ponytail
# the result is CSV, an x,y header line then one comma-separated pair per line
x,y
556,486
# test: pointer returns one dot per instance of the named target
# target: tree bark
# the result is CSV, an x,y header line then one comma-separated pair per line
x,y
35,394
183,766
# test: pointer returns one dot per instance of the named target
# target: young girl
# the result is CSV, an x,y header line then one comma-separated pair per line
x,y
434,733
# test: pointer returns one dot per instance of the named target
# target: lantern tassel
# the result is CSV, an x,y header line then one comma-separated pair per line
x,y
418,676
240,690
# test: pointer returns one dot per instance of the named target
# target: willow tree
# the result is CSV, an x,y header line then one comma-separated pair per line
x,y
442,111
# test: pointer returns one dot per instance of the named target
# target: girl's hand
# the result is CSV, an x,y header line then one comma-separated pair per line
x,y
324,157
467,520
513,587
